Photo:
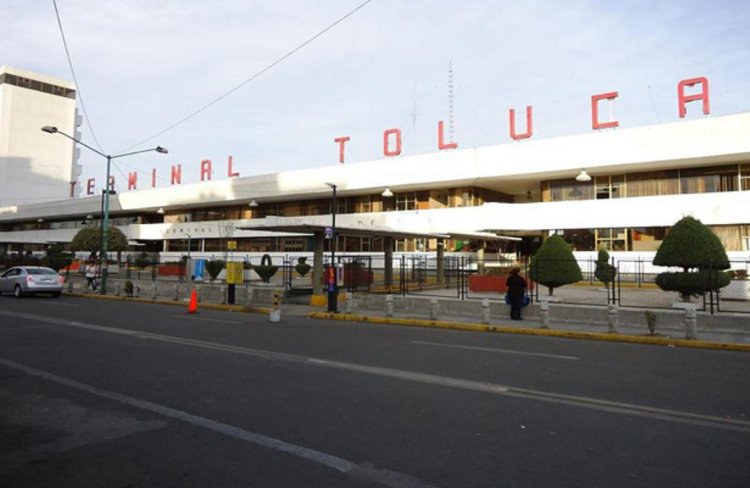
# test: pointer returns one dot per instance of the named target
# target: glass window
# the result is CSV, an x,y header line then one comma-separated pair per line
x,y
580,239
709,180
570,189
652,183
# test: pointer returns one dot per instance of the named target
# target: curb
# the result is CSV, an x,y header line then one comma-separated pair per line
x,y
595,336
207,306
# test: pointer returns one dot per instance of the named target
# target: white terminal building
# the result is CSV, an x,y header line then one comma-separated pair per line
x,y
34,170
504,198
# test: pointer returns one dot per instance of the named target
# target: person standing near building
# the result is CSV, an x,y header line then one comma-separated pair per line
x,y
90,274
515,290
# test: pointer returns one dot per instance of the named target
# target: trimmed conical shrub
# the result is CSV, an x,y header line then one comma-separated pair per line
x,y
554,265
692,246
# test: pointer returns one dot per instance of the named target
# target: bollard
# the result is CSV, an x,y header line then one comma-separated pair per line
x,y
485,311
544,314
389,305
70,285
349,302
137,291
117,289
612,318
176,295
275,315
691,321
249,295
434,305
154,291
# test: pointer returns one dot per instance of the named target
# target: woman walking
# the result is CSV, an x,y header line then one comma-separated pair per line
x,y
515,289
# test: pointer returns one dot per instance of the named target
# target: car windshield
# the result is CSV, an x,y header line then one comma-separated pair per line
x,y
41,271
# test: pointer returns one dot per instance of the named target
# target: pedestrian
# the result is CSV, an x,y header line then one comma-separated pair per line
x,y
90,274
516,291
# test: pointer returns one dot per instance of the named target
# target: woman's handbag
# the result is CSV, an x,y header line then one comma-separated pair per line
x,y
525,301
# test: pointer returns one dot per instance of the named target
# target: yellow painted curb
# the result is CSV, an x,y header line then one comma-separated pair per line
x,y
318,300
596,336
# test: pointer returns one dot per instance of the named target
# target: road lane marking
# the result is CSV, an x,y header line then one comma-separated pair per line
x,y
203,319
590,403
359,471
504,351
4,329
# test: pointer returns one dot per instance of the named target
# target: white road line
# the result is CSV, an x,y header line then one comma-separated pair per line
x,y
364,471
590,403
62,304
202,319
504,351
5,329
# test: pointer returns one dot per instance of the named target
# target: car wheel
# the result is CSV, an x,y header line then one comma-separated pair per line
x,y
17,292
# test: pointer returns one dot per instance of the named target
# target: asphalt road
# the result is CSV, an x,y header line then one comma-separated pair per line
x,y
116,394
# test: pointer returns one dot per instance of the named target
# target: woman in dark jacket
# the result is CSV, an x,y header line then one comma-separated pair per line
x,y
516,287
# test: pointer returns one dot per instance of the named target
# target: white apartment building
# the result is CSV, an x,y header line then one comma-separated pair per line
x,y
36,169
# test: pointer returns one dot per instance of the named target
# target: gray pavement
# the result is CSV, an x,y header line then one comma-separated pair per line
x,y
580,309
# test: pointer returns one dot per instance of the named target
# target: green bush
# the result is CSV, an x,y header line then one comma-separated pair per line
x,y
604,271
56,258
694,283
692,246
214,267
302,267
129,288
554,265
265,269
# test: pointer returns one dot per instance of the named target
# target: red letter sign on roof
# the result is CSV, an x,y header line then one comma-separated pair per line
x,y
703,95
529,125
595,124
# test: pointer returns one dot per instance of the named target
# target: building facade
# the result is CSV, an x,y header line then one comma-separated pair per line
x,y
35,169
642,180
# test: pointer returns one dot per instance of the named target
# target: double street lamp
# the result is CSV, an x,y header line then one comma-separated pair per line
x,y
105,219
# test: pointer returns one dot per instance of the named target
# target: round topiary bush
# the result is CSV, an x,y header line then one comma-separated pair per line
x,y
692,246
554,265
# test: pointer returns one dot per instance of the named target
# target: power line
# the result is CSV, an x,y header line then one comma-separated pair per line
x,y
253,77
75,79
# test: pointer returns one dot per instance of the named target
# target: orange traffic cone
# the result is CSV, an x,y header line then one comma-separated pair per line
x,y
193,305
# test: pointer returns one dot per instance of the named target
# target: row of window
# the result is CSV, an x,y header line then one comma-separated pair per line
x,y
733,238
732,177
36,85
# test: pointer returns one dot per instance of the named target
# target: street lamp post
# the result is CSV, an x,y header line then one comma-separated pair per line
x,y
333,286
105,220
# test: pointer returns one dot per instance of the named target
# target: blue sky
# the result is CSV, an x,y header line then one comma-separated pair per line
x,y
144,65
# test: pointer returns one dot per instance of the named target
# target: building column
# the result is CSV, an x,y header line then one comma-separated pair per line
x,y
441,260
317,275
388,263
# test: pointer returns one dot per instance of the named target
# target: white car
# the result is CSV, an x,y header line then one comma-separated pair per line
x,y
29,280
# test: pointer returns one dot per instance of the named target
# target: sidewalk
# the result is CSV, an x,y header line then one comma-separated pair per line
x,y
727,331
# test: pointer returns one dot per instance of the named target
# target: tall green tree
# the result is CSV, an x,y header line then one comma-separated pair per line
x,y
554,265
90,239
692,246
